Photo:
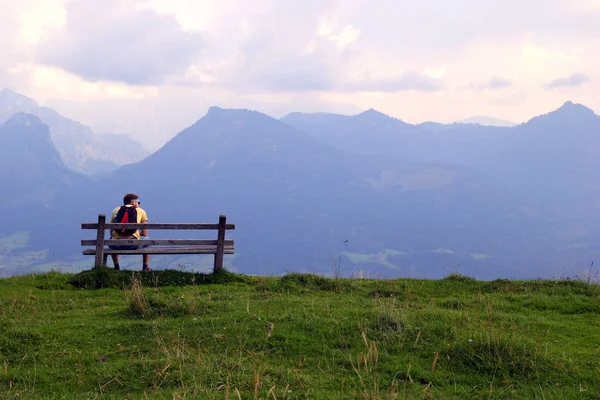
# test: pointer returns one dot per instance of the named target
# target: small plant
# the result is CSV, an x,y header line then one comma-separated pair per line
x,y
337,262
590,276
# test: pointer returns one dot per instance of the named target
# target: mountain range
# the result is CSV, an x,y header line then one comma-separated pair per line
x,y
367,194
80,149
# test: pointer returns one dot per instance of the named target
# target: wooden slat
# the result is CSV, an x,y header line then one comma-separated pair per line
x,y
157,242
164,250
157,226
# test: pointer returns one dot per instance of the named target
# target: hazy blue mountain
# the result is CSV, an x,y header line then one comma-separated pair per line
x,y
12,103
32,177
363,133
559,144
31,170
81,149
432,126
553,159
541,174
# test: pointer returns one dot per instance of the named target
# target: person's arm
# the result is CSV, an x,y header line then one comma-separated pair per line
x,y
144,221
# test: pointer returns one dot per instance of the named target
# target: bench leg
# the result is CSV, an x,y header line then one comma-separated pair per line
x,y
220,245
100,241
104,260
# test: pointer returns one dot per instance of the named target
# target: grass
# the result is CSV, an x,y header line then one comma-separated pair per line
x,y
170,334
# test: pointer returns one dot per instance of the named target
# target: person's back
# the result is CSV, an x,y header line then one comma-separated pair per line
x,y
131,207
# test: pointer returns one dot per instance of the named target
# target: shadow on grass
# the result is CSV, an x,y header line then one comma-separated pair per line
x,y
550,287
298,282
100,278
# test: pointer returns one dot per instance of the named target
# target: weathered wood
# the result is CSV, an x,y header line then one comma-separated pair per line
x,y
165,250
156,242
100,233
158,226
220,244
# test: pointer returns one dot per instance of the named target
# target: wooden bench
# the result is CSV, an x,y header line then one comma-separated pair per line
x,y
218,247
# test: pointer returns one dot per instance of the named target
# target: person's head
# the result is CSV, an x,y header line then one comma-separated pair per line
x,y
132,199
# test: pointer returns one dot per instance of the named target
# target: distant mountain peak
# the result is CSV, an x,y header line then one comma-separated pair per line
x,y
13,101
9,92
371,113
25,119
216,111
27,126
574,108
568,113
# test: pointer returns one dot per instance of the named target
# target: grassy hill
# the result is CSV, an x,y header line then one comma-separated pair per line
x,y
169,334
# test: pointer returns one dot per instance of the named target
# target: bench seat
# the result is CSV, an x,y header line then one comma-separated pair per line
x,y
164,250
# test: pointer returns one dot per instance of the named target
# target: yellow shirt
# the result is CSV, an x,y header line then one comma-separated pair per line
x,y
142,218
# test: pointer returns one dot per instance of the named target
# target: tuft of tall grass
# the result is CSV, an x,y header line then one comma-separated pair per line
x,y
136,298
496,353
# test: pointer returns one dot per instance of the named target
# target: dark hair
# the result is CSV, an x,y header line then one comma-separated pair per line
x,y
129,197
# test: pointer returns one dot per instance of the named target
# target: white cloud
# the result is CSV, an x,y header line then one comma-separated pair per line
x,y
436,73
343,38
494,83
576,79
119,41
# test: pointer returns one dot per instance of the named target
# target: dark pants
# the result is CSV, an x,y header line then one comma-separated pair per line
x,y
128,246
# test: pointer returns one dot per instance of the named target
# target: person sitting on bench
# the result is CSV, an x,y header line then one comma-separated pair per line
x,y
129,212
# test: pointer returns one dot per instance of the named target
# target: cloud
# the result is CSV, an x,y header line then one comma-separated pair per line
x,y
295,73
285,48
343,38
573,80
405,82
311,48
494,83
295,77
120,41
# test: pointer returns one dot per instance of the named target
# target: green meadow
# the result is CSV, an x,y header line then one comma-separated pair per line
x,y
175,335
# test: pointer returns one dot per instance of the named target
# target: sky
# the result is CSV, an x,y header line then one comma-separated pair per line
x,y
150,68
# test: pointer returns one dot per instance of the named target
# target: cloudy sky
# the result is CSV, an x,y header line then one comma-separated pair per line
x,y
152,67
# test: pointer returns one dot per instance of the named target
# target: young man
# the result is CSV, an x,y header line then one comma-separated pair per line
x,y
131,206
